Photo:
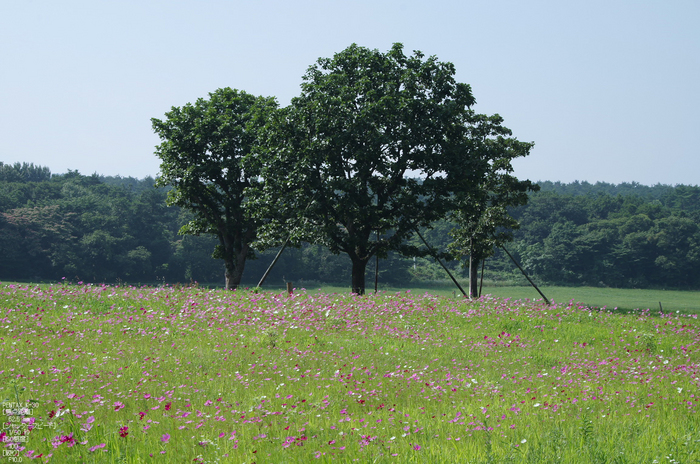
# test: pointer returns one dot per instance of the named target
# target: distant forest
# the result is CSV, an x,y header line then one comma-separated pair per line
x,y
118,229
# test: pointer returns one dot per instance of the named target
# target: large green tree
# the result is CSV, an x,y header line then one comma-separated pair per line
x,y
376,145
202,152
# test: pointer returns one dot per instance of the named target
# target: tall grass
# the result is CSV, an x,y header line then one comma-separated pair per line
x,y
111,374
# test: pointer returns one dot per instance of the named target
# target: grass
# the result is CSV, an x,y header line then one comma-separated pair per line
x,y
124,374
622,300
615,299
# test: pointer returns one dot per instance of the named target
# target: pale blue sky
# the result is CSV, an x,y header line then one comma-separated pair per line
x,y
607,90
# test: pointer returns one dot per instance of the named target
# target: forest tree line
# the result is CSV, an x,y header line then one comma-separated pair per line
x,y
111,229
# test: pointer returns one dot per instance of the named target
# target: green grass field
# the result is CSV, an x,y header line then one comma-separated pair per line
x,y
624,300
102,374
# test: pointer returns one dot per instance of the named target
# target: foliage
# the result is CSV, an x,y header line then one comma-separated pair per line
x,y
482,220
619,241
202,152
23,172
91,228
376,145
77,227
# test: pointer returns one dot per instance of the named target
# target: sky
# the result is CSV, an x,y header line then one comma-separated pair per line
x,y
607,90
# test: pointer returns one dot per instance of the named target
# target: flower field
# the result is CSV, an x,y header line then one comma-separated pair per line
x,y
111,374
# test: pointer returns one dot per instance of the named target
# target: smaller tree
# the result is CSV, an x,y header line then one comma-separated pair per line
x,y
482,218
202,153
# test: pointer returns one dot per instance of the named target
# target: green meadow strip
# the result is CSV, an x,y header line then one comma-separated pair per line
x,y
125,374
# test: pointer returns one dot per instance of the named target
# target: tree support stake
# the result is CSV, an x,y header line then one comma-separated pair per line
x,y
525,274
274,261
279,253
432,252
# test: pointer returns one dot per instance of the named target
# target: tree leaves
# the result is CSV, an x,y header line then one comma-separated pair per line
x,y
376,143
205,152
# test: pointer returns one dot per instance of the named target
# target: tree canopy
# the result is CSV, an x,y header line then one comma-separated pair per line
x,y
376,145
202,153
23,172
482,221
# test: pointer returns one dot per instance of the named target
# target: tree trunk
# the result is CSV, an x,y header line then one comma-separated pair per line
x,y
358,275
233,277
473,272
473,277
234,264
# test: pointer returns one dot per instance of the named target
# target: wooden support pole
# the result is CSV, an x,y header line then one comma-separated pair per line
x,y
525,274
279,253
432,252
274,261
290,288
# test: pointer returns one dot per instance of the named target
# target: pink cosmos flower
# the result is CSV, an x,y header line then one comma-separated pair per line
x,y
63,439
96,447
287,442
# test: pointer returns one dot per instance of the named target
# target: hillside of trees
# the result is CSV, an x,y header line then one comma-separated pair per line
x,y
627,235
119,229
